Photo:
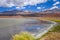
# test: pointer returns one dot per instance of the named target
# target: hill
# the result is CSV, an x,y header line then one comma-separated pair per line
x,y
47,13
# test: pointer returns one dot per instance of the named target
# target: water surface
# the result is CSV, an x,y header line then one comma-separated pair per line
x,y
11,26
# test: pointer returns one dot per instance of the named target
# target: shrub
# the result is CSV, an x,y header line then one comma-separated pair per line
x,y
23,36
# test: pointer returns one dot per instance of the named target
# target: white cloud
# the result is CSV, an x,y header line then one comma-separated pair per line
x,y
53,7
56,3
17,7
38,7
6,3
20,7
10,3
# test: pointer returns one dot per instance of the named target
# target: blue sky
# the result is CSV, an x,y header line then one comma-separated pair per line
x,y
29,5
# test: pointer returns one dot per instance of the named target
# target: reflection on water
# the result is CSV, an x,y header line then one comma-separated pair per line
x,y
10,27
34,28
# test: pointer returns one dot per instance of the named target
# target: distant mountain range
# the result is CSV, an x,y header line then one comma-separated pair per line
x,y
56,10
14,12
22,12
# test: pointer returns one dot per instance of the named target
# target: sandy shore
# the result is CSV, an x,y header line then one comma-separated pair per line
x,y
11,17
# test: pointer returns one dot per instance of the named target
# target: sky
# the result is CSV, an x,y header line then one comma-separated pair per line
x,y
29,5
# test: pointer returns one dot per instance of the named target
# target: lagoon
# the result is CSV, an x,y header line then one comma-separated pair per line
x,y
12,26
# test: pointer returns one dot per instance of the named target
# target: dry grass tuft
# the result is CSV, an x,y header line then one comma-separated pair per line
x,y
52,36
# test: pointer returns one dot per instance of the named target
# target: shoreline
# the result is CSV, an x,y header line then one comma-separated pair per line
x,y
41,34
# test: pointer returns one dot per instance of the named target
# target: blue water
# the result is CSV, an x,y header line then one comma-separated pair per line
x,y
34,28
9,27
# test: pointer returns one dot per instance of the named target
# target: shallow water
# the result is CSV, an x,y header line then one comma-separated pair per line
x,y
9,27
